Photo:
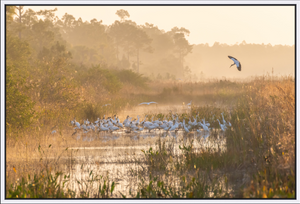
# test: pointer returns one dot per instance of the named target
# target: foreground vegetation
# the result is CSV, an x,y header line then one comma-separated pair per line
x,y
259,161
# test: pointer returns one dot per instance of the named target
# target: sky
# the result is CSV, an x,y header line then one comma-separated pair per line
x,y
207,24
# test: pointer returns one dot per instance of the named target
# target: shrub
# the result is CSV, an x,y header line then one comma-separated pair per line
x,y
97,75
128,76
19,107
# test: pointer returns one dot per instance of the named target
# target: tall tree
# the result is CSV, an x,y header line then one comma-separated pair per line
x,y
91,37
67,23
140,40
43,35
56,85
29,18
122,14
116,31
10,12
131,38
182,46
19,13
48,14
18,53
19,106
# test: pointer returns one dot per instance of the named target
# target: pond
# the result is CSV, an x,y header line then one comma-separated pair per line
x,y
120,157
124,163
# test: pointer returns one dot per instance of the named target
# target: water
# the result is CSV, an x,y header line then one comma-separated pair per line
x,y
118,160
152,109
119,155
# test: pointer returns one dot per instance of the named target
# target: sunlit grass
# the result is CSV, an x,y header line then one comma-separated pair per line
x,y
260,149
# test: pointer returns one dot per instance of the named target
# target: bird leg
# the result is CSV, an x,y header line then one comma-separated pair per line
x,y
232,65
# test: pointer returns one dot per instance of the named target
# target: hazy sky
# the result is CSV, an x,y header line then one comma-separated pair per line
x,y
207,24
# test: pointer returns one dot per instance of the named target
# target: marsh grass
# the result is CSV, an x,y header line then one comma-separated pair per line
x,y
196,187
258,162
261,141
46,184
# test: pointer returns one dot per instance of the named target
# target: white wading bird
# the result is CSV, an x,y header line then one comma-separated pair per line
x,y
107,105
236,62
186,129
147,103
222,126
224,122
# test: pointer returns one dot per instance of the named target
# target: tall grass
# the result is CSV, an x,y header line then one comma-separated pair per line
x,y
264,134
260,149
261,140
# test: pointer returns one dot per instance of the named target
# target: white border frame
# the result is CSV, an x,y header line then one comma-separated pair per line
x,y
56,2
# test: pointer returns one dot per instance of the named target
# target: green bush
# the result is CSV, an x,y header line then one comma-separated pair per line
x,y
99,76
128,76
19,107
111,82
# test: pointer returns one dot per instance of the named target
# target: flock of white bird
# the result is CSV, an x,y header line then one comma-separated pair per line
x,y
130,125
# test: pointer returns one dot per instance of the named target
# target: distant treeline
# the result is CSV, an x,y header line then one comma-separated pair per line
x,y
121,45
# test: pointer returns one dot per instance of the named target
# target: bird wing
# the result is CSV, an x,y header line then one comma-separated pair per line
x,y
232,58
143,103
152,102
238,64
239,67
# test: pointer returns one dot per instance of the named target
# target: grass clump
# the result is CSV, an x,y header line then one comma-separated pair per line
x,y
42,185
47,184
196,187
271,185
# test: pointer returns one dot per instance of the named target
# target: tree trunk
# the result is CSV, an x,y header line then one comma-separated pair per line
x,y
138,61
117,52
20,21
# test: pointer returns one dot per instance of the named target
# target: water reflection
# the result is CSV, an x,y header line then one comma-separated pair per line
x,y
118,160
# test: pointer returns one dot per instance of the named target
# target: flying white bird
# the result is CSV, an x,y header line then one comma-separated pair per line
x,y
236,62
107,105
147,103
